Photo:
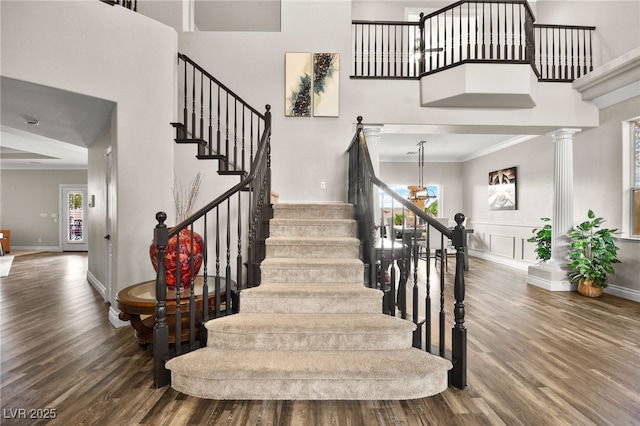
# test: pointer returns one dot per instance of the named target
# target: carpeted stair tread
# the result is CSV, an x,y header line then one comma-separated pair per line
x,y
323,298
331,290
373,324
380,365
302,263
310,332
314,210
309,241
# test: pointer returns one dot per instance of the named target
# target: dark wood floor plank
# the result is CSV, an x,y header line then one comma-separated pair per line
x,y
535,358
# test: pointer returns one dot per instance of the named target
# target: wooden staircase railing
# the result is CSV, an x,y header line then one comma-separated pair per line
x,y
223,126
471,31
380,252
233,227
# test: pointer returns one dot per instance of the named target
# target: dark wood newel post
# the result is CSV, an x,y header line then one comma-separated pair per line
x,y
458,377
161,329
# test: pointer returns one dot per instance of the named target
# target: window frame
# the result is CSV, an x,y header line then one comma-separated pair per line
x,y
631,178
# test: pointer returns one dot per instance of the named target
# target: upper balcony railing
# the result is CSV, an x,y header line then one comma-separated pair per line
x,y
471,31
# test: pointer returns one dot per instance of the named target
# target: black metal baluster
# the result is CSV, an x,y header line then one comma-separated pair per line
x,y
218,136
227,307
573,71
193,108
442,316
185,110
469,30
368,49
200,146
217,278
226,138
513,32
243,152
490,31
483,32
192,293
210,143
235,134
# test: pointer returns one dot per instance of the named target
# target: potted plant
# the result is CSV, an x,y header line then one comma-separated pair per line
x,y
542,239
592,254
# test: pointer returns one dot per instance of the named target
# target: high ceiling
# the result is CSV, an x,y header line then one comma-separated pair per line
x,y
47,128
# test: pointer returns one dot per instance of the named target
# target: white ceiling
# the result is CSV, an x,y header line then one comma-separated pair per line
x,y
69,122
399,143
63,125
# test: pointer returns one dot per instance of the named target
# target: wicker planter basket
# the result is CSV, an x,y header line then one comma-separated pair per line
x,y
586,288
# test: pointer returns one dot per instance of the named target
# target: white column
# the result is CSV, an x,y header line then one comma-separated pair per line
x,y
372,135
553,275
562,219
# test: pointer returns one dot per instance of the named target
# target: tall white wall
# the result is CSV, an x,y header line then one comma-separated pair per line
x,y
115,54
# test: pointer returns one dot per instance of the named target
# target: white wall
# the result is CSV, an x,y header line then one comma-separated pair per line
x,y
25,195
115,54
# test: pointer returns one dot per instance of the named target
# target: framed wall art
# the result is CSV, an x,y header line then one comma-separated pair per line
x,y
297,84
502,189
326,84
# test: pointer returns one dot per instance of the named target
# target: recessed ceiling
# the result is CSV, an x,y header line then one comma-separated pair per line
x,y
399,143
48,128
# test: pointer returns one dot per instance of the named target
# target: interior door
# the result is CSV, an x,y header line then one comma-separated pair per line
x,y
108,225
74,218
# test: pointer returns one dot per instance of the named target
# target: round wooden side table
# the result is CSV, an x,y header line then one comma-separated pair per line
x,y
137,304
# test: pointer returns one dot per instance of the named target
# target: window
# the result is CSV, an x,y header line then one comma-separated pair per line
x,y
427,199
631,178
75,213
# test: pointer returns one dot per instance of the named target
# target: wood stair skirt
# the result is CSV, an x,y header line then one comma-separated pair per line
x,y
311,330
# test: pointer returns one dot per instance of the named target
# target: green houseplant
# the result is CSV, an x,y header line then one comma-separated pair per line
x,y
592,254
542,239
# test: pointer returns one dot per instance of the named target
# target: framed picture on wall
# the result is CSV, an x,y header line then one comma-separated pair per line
x,y
326,84
297,84
502,189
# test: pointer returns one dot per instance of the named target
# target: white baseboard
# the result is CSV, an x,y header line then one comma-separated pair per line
x,y
523,266
625,293
114,320
100,288
37,248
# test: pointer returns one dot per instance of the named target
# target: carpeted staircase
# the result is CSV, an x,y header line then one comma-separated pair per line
x,y
311,330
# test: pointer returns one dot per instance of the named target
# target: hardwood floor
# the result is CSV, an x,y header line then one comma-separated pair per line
x,y
535,358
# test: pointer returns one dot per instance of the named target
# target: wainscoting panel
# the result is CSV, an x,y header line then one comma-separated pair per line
x,y
502,245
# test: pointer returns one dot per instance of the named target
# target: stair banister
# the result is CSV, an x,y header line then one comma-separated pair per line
x,y
361,194
257,182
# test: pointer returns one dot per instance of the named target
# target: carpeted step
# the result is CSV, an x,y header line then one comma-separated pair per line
x,y
319,375
309,270
296,247
315,228
313,211
323,298
310,332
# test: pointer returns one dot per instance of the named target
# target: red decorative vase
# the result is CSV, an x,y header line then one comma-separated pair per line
x,y
178,252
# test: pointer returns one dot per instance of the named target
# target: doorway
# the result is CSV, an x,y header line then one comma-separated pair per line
x,y
73,218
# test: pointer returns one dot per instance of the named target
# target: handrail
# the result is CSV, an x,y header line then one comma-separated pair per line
x,y
222,86
378,256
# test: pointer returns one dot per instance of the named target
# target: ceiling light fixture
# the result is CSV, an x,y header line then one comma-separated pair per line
x,y
31,121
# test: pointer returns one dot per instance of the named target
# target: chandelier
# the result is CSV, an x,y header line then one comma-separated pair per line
x,y
421,192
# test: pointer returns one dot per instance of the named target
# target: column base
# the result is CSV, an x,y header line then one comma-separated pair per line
x,y
550,276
